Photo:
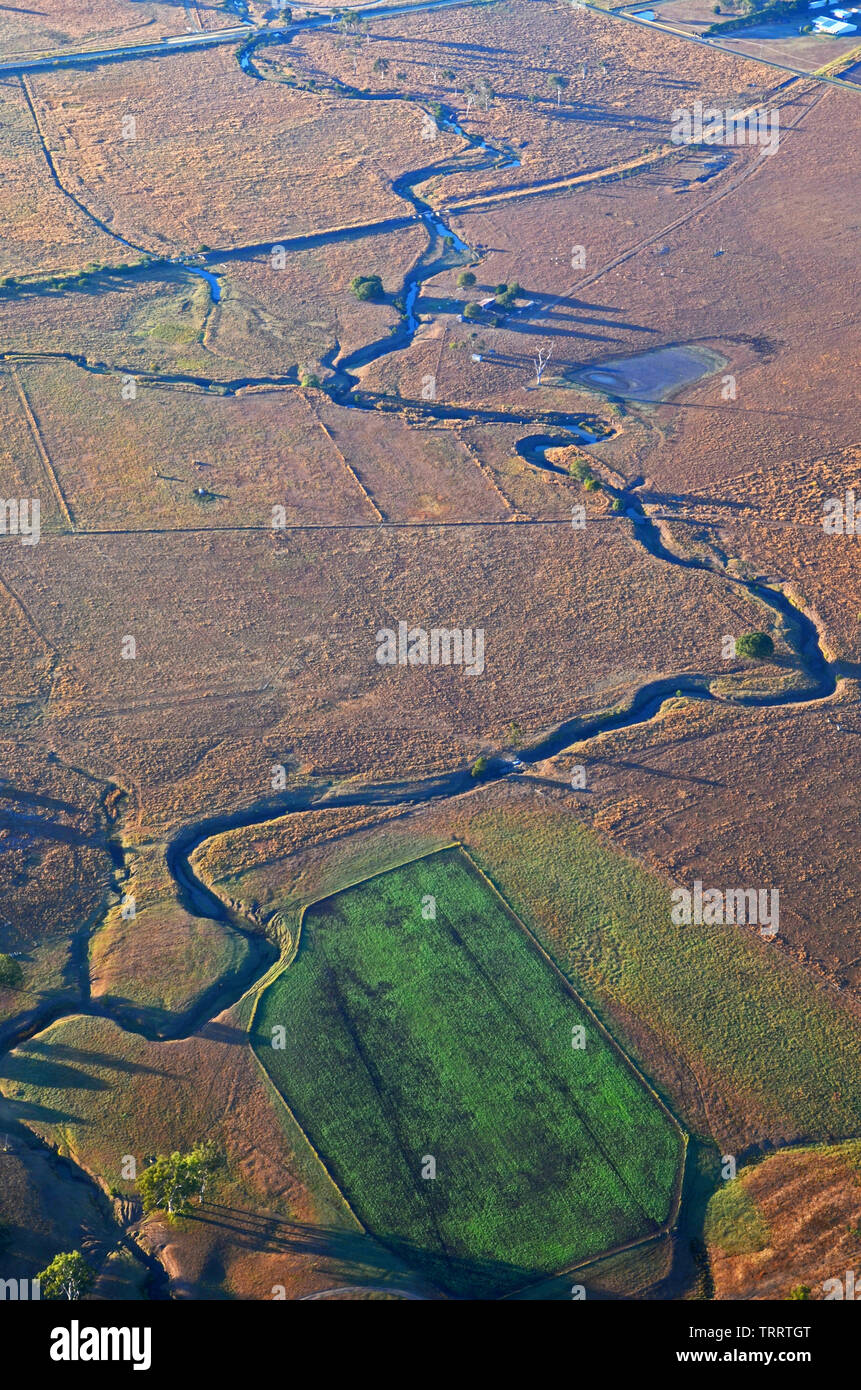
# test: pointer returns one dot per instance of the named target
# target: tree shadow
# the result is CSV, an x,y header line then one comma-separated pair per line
x,y
459,1277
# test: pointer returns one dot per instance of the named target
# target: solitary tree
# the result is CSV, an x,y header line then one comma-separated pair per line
x,y
541,362
484,92
558,84
67,1276
580,470
755,644
466,279
366,286
171,1180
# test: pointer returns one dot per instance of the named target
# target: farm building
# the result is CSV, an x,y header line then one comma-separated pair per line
x,y
834,27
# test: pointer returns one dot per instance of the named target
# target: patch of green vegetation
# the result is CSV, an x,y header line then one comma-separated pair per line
x,y
507,294
367,286
725,1002
436,1061
173,333
733,1221
755,644
11,974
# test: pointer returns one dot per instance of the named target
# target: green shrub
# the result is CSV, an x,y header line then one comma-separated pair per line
x,y
11,974
366,286
757,645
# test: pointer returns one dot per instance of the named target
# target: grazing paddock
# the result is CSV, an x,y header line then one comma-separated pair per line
x,y
431,1054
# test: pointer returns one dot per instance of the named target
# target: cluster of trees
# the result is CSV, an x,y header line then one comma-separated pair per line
x,y
479,91
11,974
757,645
754,12
558,83
580,470
367,286
506,294
171,1181
70,279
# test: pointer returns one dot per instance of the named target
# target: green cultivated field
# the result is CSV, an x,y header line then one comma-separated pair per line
x,y
452,1037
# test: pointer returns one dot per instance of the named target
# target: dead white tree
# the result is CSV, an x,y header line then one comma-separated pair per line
x,y
541,362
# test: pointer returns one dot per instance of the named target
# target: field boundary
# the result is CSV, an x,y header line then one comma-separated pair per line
x,y
665,1229
608,1036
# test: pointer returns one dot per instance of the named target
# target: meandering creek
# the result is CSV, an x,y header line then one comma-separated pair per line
x,y
444,251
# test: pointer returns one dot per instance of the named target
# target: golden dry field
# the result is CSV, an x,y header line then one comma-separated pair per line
x,y
406,442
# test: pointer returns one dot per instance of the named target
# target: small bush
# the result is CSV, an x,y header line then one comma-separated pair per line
x,y
479,767
757,645
11,974
366,286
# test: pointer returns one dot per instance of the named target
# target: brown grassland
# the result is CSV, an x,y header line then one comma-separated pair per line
x,y
255,645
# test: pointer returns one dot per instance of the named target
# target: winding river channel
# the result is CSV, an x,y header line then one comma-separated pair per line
x,y
444,250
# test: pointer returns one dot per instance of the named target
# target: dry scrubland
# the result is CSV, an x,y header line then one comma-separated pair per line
x,y
741,799
140,463
794,381
142,321
268,322
216,667
61,1210
77,24
40,230
603,117
532,241
256,648
116,463
269,318
770,522
55,871
221,159
792,1219
152,971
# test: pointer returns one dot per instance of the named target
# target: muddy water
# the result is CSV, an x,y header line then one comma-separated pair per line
x,y
655,375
